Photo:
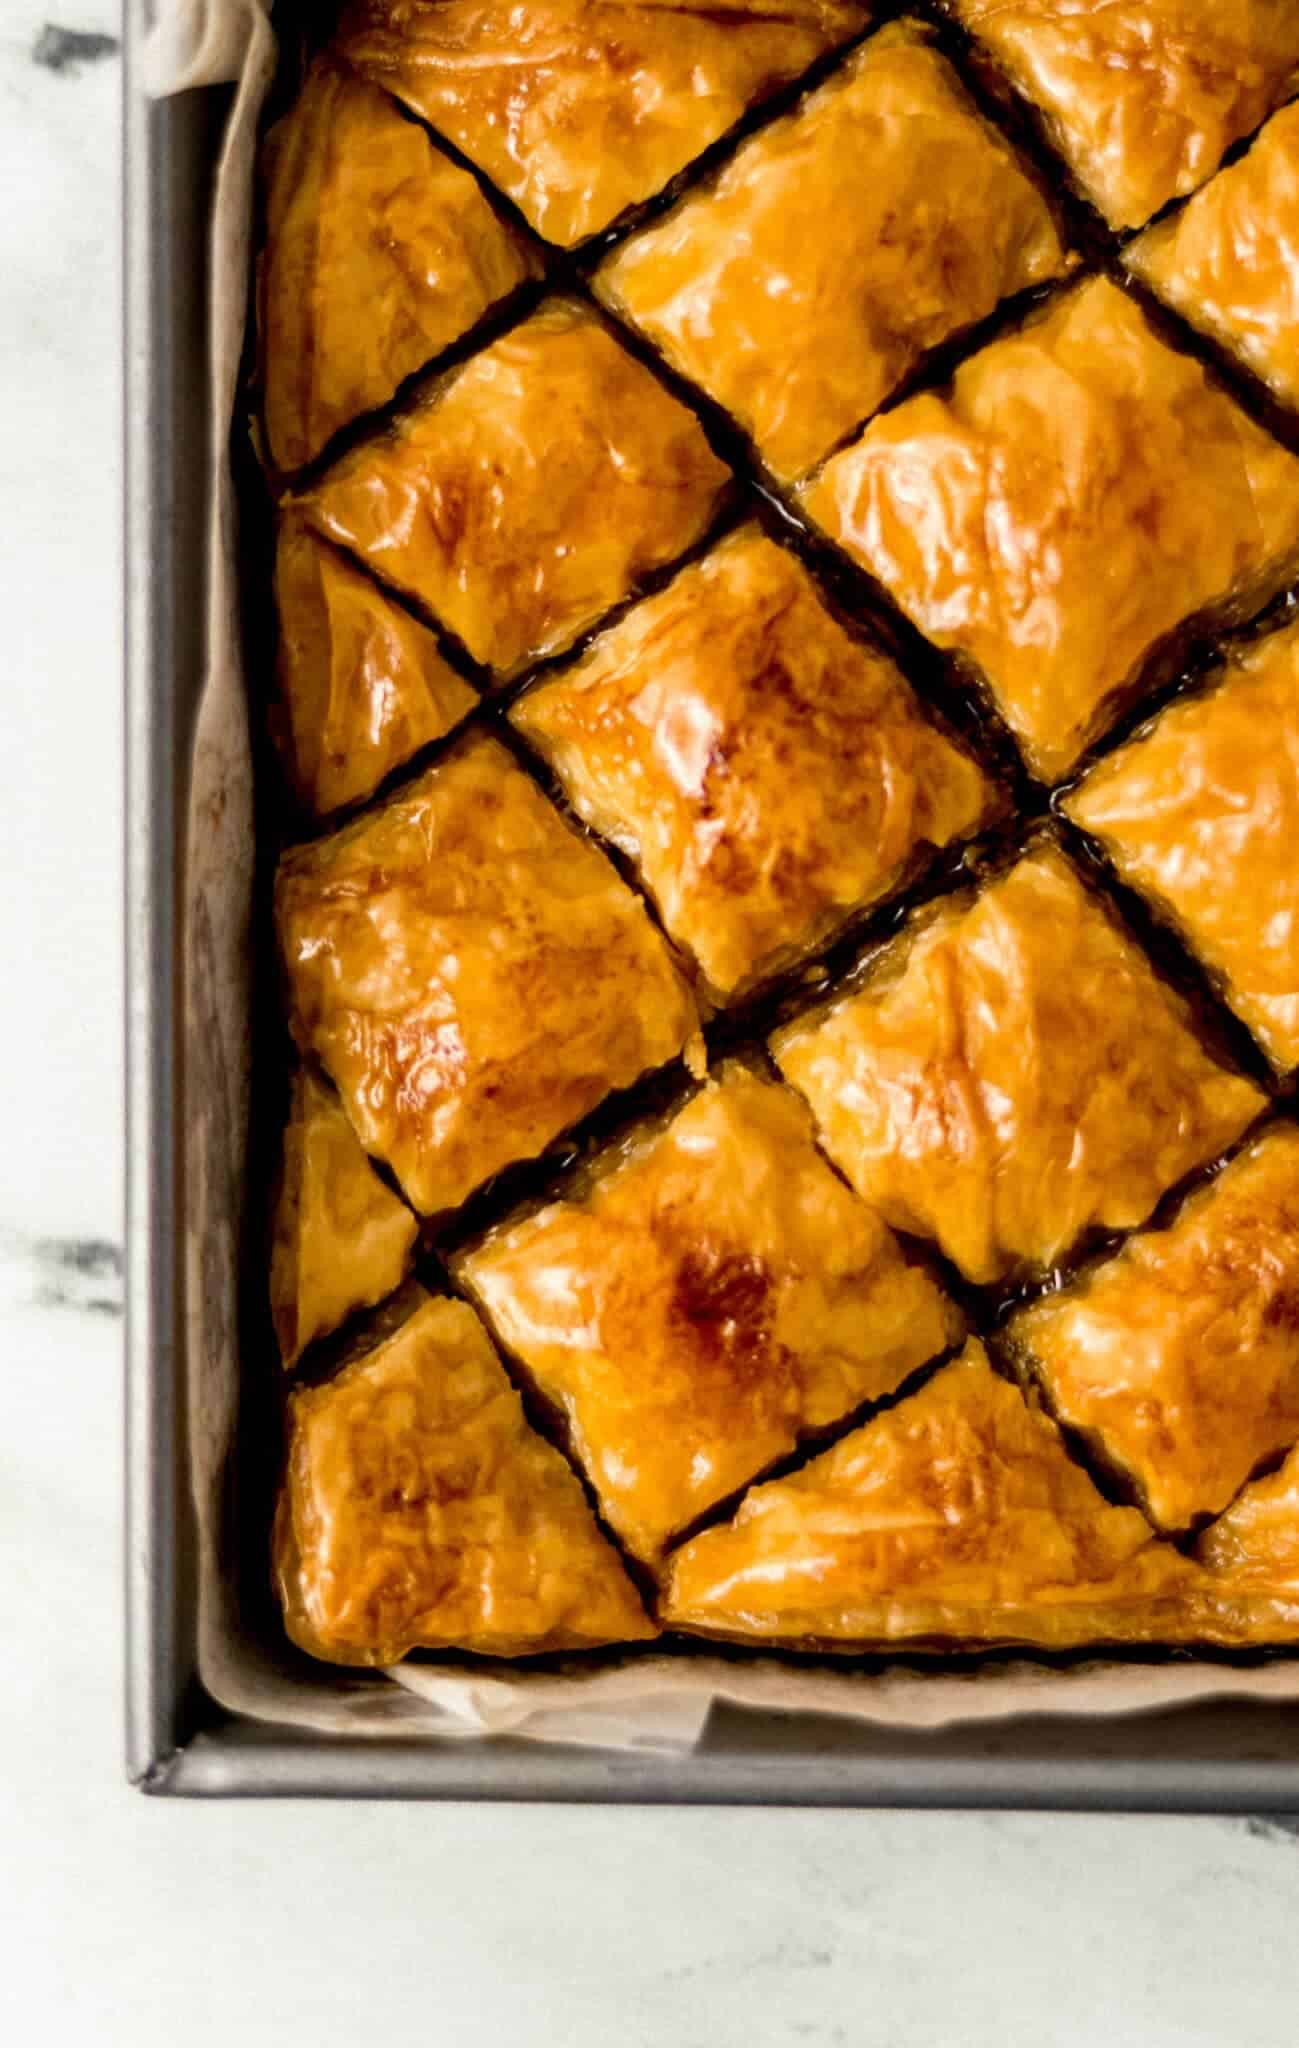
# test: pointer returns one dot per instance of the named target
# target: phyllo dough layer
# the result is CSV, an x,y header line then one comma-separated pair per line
x,y
379,253
955,1517
1143,97
471,973
1012,1074
530,491
420,1511
715,1294
1202,813
1249,1590
361,685
1180,1356
579,109
767,773
1080,491
800,313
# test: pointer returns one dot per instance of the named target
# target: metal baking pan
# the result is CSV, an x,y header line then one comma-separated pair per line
x,y
1228,1757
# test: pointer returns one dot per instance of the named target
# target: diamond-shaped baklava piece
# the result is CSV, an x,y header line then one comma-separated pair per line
x,y
767,773
1202,814
472,974
379,253
1229,261
419,1510
342,1239
1248,1591
1180,1356
1012,1074
955,1517
1143,97
529,491
1081,490
712,1295
580,109
800,313
361,685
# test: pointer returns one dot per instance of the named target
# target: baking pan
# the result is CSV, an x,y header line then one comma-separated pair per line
x,y
1225,1757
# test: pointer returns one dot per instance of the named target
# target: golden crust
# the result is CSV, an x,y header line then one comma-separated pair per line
x,y
800,314
361,685
342,1240
1012,1075
471,973
1085,490
767,774
530,492
1229,261
715,1294
1202,813
379,253
420,1511
1181,1355
1248,1593
578,109
1143,97
955,1517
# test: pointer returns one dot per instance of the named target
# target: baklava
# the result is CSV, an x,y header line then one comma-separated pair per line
x,y
786,839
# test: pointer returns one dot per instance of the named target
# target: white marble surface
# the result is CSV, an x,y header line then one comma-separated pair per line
x,y
139,1923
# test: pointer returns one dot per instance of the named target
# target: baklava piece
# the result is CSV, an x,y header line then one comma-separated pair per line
x,y
579,109
1248,1593
1142,97
361,685
1013,1074
1080,491
530,491
956,1517
472,974
767,773
1201,813
713,1295
1180,1357
420,1511
1229,261
380,252
342,1240
943,224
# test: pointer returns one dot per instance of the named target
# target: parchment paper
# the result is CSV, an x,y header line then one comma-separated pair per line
x,y
661,1702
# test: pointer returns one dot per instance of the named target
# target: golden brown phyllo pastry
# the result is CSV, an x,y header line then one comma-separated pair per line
x,y
379,253
420,1510
577,109
957,1517
767,773
471,973
712,1296
342,1239
943,223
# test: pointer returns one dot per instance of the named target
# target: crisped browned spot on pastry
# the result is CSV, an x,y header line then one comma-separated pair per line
x,y
342,1239
379,253
955,1517
716,1293
1143,97
581,108
472,973
1202,813
767,773
1013,1074
1081,491
531,491
799,311
1248,1591
1181,1355
419,1510
361,685
1229,260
